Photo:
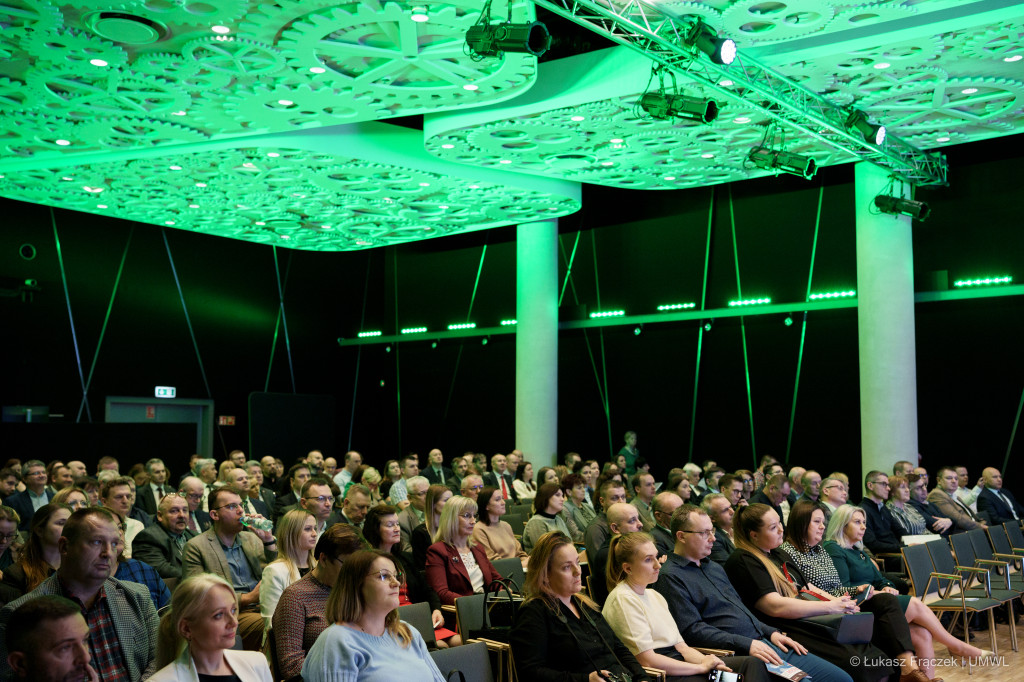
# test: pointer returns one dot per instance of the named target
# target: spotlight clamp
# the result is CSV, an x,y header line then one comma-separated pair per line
x,y
487,39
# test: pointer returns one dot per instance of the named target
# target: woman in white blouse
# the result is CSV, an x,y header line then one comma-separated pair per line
x,y
524,486
296,538
641,619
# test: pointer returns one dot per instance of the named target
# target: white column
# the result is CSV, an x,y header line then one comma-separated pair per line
x,y
885,326
537,341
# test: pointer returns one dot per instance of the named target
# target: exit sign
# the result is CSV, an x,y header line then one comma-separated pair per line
x,y
165,392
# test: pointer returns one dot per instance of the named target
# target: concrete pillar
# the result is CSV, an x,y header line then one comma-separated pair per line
x,y
885,327
537,341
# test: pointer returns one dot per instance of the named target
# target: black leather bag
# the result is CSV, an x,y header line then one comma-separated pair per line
x,y
501,603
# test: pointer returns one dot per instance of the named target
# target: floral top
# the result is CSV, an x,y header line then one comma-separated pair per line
x,y
910,519
818,569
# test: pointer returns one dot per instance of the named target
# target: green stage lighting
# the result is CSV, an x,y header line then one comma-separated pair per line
x,y
873,133
782,161
918,210
663,107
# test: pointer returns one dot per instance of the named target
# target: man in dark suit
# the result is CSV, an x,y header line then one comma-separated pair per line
x,y
436,472
459,467
355,506
883,532
148,496
35,494
256,487
721,514
933,518
1000,504
161,545
775,490
192,489
298,475
500,478
664,505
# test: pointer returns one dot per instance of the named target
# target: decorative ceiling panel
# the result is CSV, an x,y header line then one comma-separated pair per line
x,y
935,72
334,189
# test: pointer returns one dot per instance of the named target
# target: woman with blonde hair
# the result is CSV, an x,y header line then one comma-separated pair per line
x,y
456,566
72,496
553,635
368,642
641,619
423,534
296,539
371,478
198,632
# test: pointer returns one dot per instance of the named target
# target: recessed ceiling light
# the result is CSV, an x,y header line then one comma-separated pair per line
x,y
260,222
474,187
285,102
741,119
98,62
424,184
220,29
607,163
168,222
326,227
177,113
577,118
419,14
616,140
707,155
944,138
193,205
62,143
670,177
101,205
92,190
447,146
470,86
317,69
175,167
273,155
443,206
882,65
725,83
200,184
284,236
67,178
969,91
506,161
1013,58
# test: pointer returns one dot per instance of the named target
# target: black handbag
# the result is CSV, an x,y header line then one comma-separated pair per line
x,y
500,604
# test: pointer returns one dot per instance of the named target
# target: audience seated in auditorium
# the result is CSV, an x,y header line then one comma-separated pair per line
x,y
998,502
289,496
776,489
367,639
491,533
943,496
296,539
456,566
721,514
161,545
121,618
436,472
41,556
596,534
906,515
933,518
35,495
353,460
883,533
622,518
547,515
132,570
501,478
414,514
193,490
643,489
664,505
48,641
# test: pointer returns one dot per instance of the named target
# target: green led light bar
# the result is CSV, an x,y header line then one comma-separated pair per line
x,y
608,313
364,335
414,330
833,294
677,306
749,301
509,323
985,281
463,325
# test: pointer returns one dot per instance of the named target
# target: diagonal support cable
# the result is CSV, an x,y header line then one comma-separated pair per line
x,y
743,328
71,318
700,327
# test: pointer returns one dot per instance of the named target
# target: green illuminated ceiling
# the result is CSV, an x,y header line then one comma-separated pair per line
x,y
170,112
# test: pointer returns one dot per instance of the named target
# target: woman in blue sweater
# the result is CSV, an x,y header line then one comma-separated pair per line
x,y
368,642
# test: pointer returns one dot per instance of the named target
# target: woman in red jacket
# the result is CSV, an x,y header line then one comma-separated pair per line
x,y
456,566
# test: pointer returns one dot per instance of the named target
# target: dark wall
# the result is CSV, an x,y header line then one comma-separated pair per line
x,y
635,251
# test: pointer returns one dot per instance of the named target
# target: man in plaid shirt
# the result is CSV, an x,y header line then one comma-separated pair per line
x,y
121,617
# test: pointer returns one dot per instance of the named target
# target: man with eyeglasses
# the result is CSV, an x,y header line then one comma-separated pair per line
x,y
833,495
116,495
883,531
161,545
471,486
318,501
598,532
709,612
414,514
194,490
721,514
120,616
35,494
235,553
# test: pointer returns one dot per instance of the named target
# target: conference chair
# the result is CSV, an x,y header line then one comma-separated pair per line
x,y
418,616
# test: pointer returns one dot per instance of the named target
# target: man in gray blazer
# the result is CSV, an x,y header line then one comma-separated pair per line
x,y
236,554
161,545
943,496
414,514
121,617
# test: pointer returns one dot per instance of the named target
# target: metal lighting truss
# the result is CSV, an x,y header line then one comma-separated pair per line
x,y
659,34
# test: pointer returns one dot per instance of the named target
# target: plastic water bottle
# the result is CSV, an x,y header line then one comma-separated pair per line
x,y
258,523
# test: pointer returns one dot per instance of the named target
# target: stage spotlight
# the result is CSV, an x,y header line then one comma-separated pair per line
x,y
493,40
708,324
782,161
663,107
701,37
918,210
857,120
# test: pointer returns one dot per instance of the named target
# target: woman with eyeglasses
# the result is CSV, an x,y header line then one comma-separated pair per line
x,y
368,642
383,532
9,521
456,566
747,476
493,534
296,539
197,636
41,556
300,616
73,497
559,633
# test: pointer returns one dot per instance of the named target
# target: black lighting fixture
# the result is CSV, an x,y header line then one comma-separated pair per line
x,y
918,210
663,107
872,132
771,155
484,39
702,37
665,103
